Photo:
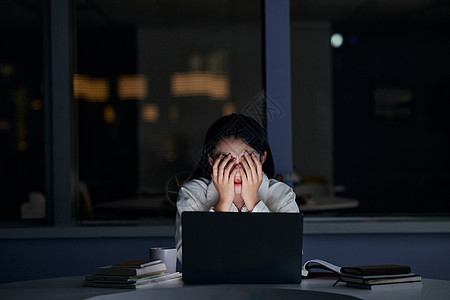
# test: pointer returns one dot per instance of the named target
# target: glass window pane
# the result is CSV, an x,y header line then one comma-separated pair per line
x,y
150,78
370,92
21,114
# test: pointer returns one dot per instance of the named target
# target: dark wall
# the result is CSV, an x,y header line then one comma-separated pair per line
x,y
25,259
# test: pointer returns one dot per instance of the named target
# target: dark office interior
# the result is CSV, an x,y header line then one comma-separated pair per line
x,y
369,118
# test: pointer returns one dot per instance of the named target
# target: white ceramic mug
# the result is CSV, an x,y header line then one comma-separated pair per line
x,y
166,255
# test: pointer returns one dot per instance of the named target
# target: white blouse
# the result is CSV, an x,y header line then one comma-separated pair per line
x,y
201,195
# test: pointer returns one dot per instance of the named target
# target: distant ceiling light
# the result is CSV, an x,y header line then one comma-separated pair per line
x,y
109,114
90,89
132,87
188,84
150,112
336,40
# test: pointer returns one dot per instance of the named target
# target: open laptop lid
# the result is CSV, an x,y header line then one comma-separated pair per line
x,y
226,247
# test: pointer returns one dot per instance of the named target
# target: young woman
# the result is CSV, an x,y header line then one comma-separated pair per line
x,y
233,174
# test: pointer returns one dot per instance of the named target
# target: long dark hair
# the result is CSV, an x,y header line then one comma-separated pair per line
x,y
235,126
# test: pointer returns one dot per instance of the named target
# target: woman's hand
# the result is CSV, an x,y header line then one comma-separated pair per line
x,y
223,178
251,179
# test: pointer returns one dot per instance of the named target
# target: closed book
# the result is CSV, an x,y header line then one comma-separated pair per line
x,y
388,287
159,281
137,263
381,279
122,278
112,270
371,270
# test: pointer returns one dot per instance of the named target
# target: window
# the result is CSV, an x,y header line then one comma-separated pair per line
x,y
137,95
22,194
150,77
371,107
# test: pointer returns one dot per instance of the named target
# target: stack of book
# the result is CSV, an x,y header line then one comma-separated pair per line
x,y
372,281
367,277
133,274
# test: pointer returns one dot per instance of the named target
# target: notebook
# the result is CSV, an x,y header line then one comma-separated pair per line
x,y
227,247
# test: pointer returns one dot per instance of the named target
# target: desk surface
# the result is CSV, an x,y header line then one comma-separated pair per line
x,y
69,288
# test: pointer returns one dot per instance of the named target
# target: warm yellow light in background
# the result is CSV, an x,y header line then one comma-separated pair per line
x,y
150,112
132,87
109,114
185,84
91,89
229,108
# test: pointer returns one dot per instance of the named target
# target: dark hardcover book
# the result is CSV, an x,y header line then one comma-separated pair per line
x,y
376,270
373,270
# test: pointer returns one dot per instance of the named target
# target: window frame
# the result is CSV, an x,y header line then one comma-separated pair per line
x,y
59,128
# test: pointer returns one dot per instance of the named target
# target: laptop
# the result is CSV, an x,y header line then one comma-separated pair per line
x,y
228,247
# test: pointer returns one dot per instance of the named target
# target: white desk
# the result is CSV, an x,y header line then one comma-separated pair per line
x,y
70,288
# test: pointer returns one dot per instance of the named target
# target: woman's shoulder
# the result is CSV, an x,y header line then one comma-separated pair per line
x,y
280,197
279,185
193,195
197,183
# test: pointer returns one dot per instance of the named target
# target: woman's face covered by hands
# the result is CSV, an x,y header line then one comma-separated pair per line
x,y
234,160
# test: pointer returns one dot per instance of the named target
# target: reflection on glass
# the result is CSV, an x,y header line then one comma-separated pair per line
x,y
148,83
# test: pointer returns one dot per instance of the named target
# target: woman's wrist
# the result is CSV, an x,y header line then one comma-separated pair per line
x,y
251,201
223,205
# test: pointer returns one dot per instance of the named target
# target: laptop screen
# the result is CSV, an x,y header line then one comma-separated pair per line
x,y
226,247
